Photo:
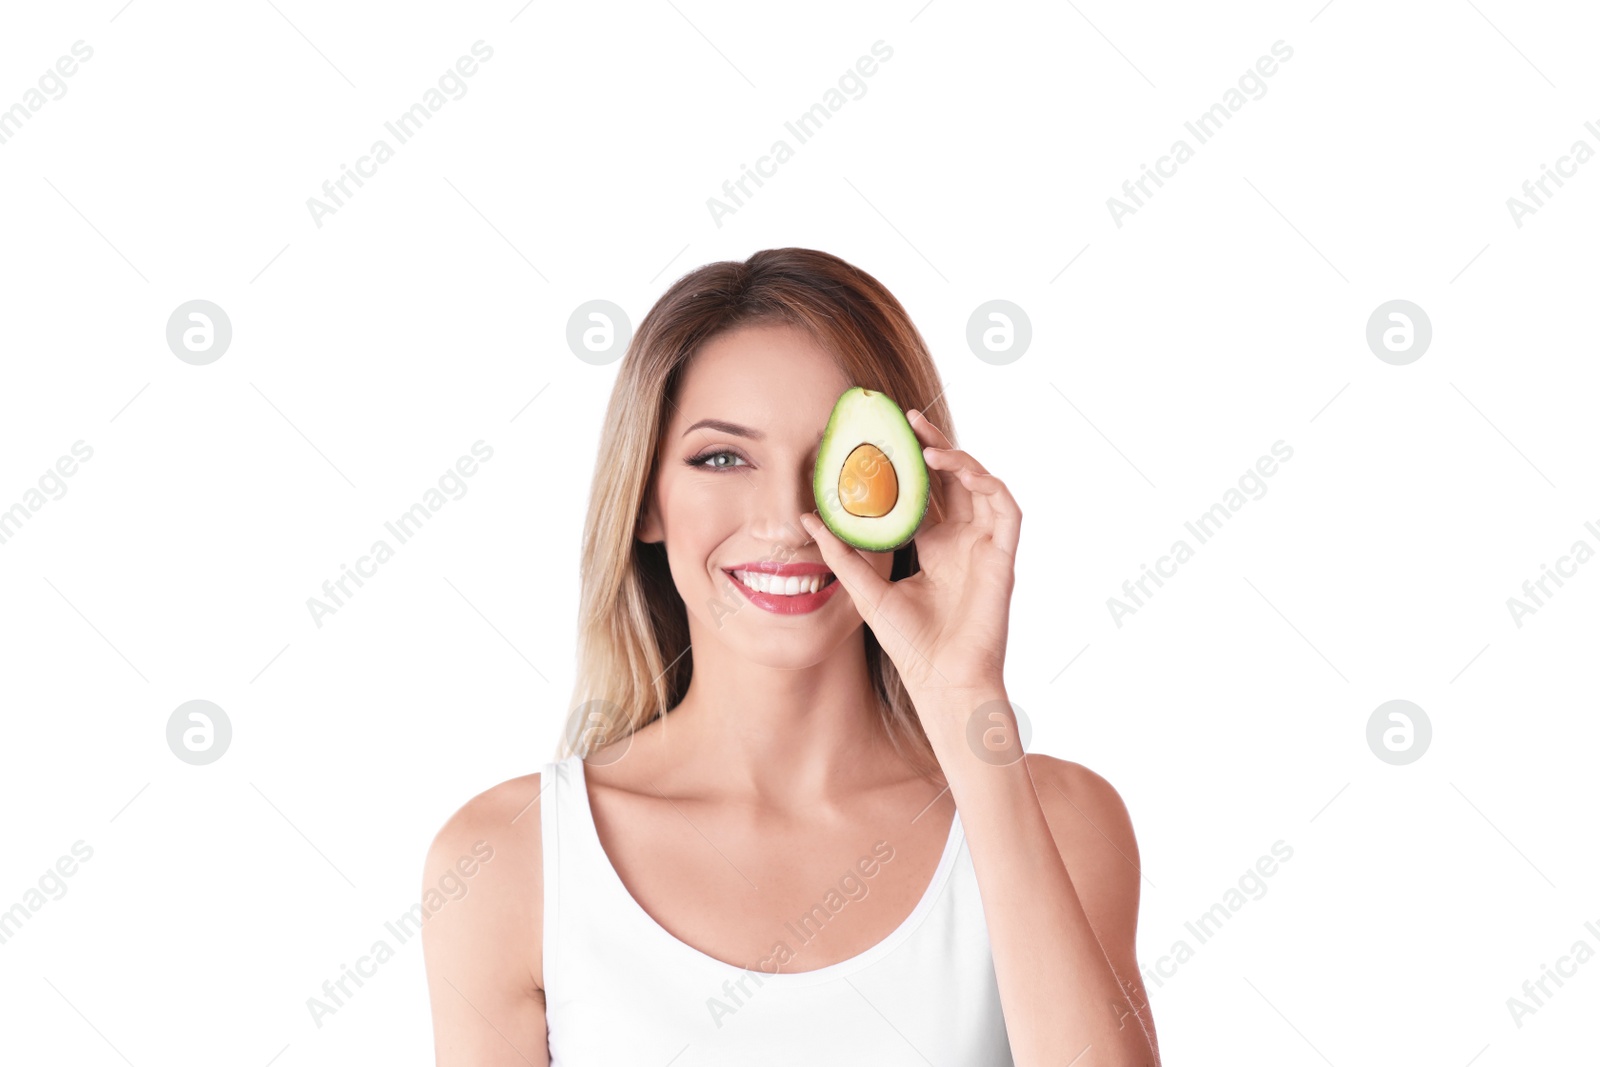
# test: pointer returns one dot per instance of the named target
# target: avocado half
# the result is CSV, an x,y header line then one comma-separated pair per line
x,y
870,482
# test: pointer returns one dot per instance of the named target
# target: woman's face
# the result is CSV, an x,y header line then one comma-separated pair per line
x,y
733,478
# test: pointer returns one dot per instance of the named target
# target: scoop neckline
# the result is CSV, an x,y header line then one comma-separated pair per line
x,y
891,941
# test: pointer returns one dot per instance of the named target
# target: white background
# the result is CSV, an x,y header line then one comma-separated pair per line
x,y
368,354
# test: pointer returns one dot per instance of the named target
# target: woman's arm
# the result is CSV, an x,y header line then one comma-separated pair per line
x,y
482,938
1056,864
1095,840
1060,926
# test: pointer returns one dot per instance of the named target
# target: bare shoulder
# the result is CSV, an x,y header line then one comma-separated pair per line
x,y
1094,835
503,810
483,899
1077,787
1092,830
482,886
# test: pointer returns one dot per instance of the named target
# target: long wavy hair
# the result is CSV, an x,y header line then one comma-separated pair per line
x,y
633,653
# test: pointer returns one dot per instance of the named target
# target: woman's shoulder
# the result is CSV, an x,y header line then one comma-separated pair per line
x,y
1076,779
484,874
1094,835
512,805
1078,802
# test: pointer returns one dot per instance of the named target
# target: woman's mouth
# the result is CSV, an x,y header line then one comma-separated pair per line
x,y
785,589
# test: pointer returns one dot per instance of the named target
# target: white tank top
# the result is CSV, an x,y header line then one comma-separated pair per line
x,y
621,991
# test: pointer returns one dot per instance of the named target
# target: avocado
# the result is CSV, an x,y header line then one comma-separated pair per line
x,y
870,482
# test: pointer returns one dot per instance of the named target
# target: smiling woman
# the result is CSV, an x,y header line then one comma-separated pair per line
x,y
756,702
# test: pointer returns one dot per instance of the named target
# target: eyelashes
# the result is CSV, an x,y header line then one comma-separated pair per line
x,y
704,460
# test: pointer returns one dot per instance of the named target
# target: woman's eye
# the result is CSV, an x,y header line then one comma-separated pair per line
x,y
717,460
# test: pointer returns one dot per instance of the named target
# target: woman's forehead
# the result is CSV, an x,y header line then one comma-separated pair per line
x,y
766,368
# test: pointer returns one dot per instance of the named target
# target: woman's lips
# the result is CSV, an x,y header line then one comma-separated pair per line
x,y
799,604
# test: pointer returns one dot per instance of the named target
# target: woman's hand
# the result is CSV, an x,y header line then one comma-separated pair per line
x,y
944,627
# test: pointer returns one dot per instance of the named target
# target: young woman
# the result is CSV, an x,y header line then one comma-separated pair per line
x,y
787,826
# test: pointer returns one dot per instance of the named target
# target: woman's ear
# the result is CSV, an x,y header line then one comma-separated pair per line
x,y
649,530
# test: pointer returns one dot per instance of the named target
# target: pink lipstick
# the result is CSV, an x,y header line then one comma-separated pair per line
x,y
768,584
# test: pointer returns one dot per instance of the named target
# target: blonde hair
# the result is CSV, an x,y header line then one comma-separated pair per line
x,y
633,656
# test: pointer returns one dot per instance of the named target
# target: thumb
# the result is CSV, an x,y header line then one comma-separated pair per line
x,y
864,584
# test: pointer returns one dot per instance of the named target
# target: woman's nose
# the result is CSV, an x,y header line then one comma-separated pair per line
x,y
780,520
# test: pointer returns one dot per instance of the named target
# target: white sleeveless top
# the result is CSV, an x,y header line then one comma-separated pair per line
x,y
621,991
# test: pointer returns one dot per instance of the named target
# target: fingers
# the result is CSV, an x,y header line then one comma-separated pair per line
x,y
957,497
991,494
953,459
864,584
927,432
972,493
982,509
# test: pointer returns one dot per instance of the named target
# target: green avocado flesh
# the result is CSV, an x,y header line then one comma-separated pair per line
x,y
870,482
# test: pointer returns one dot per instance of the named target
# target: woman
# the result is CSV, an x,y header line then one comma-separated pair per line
x,y
777,833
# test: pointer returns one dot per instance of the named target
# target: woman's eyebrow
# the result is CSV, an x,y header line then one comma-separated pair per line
x,y
726,427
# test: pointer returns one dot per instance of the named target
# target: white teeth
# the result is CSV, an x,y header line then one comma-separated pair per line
x,y
794,585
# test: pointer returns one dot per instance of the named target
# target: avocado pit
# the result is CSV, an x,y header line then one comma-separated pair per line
x,y
867,485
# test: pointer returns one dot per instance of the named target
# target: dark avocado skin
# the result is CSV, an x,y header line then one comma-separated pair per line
x,y
911,470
